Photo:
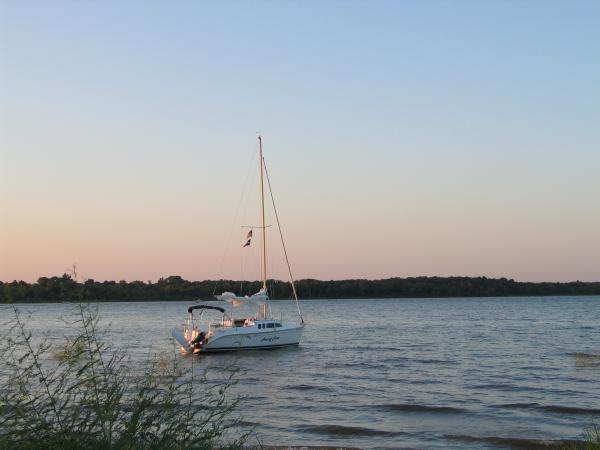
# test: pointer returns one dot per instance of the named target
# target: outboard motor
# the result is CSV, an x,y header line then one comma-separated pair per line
x,y
199,341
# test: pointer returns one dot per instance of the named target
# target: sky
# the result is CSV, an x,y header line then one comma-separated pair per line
x,y
402,138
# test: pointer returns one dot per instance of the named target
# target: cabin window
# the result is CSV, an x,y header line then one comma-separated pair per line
x,y
259,326
277,325
270,325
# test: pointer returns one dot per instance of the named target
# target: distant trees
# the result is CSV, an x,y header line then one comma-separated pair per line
x,y
64,288
56,288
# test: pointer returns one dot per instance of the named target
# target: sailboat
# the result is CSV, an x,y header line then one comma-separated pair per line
x,y
256,331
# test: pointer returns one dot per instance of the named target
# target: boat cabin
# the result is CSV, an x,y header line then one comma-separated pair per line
x,y
265,324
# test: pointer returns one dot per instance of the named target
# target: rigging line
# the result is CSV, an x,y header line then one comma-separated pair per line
x,y
237,212
282,241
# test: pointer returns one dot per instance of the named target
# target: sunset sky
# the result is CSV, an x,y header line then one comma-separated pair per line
x,y
403,138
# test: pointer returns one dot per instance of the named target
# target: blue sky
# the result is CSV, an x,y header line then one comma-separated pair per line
x,y
404,138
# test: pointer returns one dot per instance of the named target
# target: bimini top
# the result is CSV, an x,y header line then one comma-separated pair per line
x,y
218,308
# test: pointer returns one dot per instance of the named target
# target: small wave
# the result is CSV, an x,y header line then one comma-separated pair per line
x,y
422,408
551,408
501,387
308,387
251,380
434,361
584,355
521,388
371,348
525,444
363,365
247,423
398,359
342,430
253,398
518,405
569,410
424,382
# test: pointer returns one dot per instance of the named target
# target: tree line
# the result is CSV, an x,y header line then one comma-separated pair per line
x,y
66,289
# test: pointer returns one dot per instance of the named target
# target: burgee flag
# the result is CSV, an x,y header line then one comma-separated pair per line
x,y
248,239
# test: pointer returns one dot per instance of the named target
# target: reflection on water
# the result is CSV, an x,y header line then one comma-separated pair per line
x,y
409,373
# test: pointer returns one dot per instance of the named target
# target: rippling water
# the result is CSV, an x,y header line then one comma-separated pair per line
x,y
482,373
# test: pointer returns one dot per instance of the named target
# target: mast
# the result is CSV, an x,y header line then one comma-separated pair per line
x,y
262,209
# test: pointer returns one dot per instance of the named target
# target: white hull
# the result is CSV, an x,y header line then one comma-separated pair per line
x,y
240,339
245,338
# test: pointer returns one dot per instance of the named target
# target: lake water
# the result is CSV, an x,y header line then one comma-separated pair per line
x,y
480,373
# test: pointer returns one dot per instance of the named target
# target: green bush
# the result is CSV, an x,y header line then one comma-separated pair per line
x,y
591,440
85,394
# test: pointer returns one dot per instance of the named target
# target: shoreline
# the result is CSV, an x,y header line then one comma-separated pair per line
x,y
154,300
174,288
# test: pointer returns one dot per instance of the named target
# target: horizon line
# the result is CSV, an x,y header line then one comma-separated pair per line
x,y
83,280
